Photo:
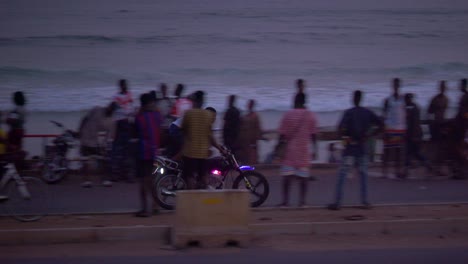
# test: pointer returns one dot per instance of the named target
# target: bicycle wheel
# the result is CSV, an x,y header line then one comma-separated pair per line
x,y
256,183
29,207
165,188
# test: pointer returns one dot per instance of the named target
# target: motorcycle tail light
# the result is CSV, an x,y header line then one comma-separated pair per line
x,y
216,172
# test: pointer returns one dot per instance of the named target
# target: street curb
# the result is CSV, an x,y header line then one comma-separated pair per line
x,y
365,227
84,235
161,234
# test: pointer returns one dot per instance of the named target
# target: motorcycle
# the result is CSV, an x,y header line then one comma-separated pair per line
x,y
55,163
168,179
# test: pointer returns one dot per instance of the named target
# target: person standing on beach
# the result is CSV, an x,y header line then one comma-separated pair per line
x,y
297,128
395,124
97,120
413,135
198,138
122,117
231,128
250,133
436,111
148,128
355,128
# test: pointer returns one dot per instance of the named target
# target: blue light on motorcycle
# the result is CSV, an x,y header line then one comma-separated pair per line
x,y
246,168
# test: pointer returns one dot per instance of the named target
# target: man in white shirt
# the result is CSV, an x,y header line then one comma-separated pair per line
x,y
395,126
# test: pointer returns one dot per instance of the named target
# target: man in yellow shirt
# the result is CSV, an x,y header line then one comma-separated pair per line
x,y
198,139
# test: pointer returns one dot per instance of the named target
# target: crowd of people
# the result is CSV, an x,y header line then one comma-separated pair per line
x,y
399,126
181,127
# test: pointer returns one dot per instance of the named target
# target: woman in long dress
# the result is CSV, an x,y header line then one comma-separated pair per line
x,y
250,133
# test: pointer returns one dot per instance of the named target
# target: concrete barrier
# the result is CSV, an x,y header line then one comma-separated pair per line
x,y
211,218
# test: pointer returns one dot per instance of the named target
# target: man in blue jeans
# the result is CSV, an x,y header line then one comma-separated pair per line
x,y
356,128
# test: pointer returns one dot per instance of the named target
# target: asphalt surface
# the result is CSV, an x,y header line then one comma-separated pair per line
x,y
69,197
296,249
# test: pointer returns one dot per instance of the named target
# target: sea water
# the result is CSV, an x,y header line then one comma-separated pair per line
x,y
68,55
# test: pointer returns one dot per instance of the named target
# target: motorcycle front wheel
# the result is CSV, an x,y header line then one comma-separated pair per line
x,y
256,183
165,188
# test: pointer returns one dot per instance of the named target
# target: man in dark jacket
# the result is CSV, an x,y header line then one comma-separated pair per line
x,y
355,128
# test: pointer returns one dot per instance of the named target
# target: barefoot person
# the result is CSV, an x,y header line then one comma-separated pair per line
x,y
355,127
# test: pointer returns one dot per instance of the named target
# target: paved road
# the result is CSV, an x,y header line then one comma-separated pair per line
x,y
298,249
390,256
69,197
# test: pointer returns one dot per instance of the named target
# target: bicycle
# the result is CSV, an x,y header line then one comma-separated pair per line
x,y
168,179
27,197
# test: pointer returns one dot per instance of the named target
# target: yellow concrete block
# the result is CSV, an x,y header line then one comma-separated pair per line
x,y
205,216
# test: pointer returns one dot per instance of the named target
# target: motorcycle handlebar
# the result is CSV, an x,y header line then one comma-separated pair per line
x,y
56,123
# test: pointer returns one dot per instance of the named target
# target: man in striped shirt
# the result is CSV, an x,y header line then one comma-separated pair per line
x,y
148,128
198,139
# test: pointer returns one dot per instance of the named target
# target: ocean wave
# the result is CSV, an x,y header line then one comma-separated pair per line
x,y
416,12
12,72
411,35
65,38
55,40
410,70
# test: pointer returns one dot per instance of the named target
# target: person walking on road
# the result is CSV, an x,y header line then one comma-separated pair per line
x,y
354,128
297,129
